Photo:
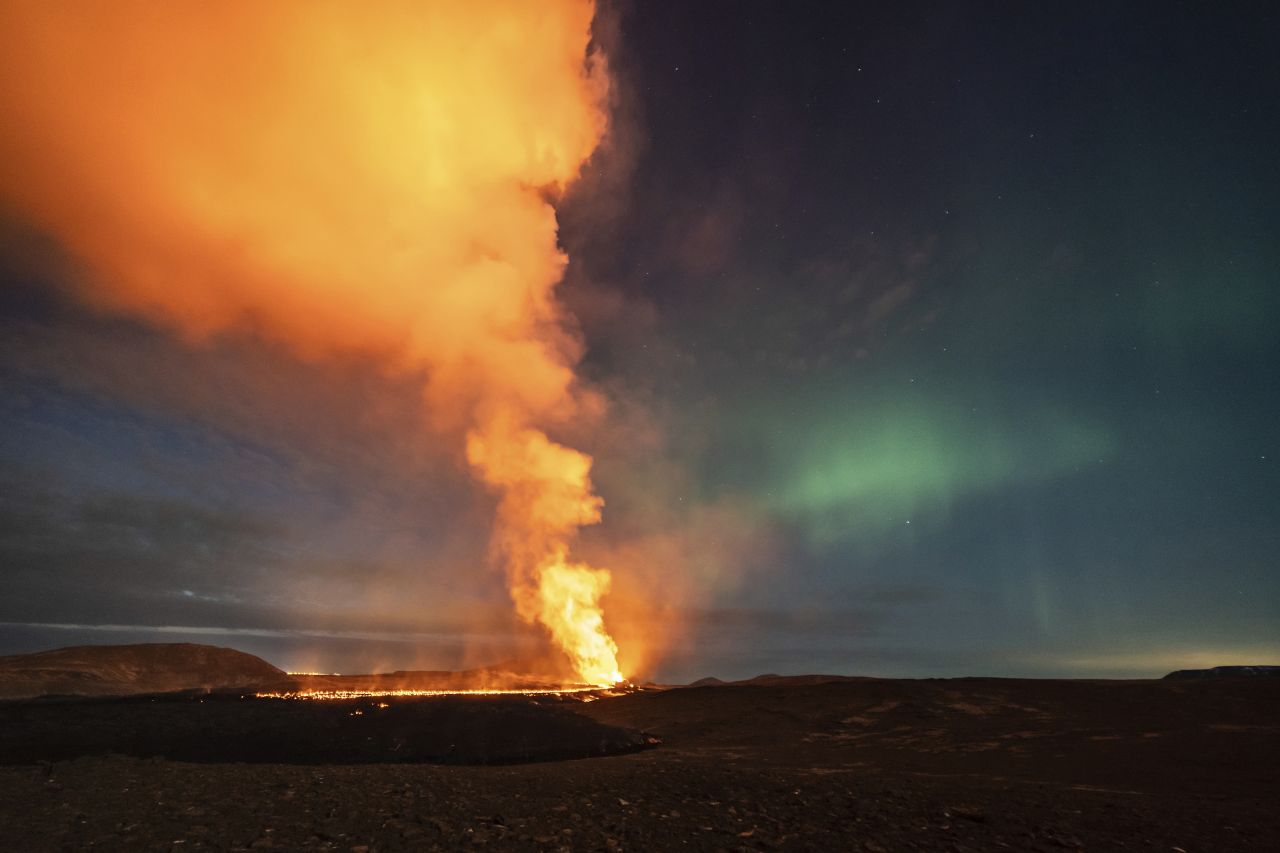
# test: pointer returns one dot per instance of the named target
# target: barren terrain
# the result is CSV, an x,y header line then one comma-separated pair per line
x,y
853,764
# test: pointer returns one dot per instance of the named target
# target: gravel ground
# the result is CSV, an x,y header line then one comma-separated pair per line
x,y
649,801
819,768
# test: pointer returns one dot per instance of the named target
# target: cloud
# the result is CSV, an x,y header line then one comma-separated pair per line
x,y
121,556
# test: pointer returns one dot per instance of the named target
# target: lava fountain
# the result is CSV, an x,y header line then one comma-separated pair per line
x,y
342,177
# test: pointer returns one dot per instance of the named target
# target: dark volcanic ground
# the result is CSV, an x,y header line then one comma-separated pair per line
x,y
863,764
233,728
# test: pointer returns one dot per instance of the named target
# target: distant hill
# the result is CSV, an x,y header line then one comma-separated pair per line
x,y
773,680
1227,672
132,669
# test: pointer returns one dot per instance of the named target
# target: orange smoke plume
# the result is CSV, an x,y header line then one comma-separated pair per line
x,y
340,176
546,497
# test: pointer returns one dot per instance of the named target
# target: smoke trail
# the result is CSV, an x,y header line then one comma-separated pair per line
x,y
340,176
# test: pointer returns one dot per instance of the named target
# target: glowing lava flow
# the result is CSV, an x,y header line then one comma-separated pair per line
x,y
371,694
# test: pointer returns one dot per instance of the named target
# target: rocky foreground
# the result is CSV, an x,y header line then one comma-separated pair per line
x,y
874,765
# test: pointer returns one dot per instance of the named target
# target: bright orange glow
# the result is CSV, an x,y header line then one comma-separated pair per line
x,y
569,594
546,497
341,176
372,694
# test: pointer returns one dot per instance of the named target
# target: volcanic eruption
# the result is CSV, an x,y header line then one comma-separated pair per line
x,y
342,178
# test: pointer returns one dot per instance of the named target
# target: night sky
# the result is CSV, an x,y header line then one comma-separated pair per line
x,y
937,340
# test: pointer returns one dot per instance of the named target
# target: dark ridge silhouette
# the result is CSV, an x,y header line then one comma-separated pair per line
x,y
771,679
133,669
161,668
1227,672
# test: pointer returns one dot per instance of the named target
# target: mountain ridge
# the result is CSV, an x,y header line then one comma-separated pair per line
x,y
122,670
